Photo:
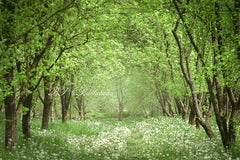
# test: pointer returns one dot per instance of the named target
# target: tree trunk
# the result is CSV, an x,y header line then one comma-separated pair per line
x,y
209,112
11,122
232,126
234,115
152,112
70,111
120,98
66,97
80,107
27,116
161,100
9,100
170,105
120,113
184,115
10,112
55,109
226,128
48,99
179,106
51,112
65,101
192,117
188,79
185,108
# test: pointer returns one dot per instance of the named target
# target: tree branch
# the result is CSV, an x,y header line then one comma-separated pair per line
x,y
83,43
40,97
196,48
38,57
39,24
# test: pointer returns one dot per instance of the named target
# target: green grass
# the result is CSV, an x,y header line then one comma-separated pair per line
x,y
133,138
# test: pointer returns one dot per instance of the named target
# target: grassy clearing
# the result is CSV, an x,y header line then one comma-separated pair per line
x,y
135,138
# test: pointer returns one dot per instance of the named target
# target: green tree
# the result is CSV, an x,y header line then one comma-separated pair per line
x,y
29,30
214,23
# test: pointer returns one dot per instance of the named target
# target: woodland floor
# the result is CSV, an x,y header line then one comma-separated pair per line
x,y
133,138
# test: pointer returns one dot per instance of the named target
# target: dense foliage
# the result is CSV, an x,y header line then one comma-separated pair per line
x,y
73,59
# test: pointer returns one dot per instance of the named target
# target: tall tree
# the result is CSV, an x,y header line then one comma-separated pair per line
x,y
29,30
218,74
7,58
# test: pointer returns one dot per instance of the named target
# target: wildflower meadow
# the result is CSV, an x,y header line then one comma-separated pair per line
x,y
133,138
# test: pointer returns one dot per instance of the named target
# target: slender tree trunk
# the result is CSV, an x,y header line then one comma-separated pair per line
x,y
185,108
51,112
55,109
27,116
184,115
120,98
209,112
179,106
48,100
182,107
65,101
161,100
120,113
70,111
80,107
192,117
170,105
152,111
188,79
66,97
159,94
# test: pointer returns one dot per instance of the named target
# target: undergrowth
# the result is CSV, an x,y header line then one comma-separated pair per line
x,y
133,138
